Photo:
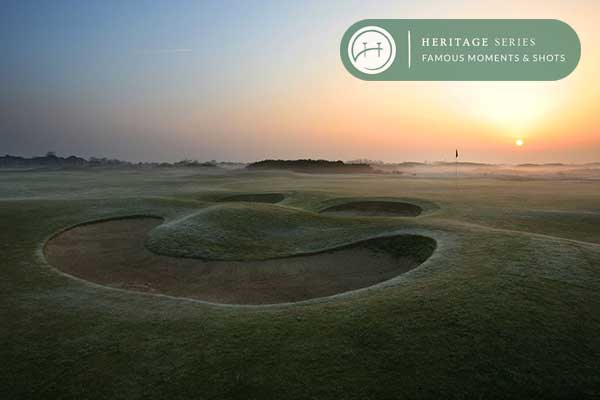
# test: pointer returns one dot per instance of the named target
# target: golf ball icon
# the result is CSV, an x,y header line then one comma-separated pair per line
x,y
371,50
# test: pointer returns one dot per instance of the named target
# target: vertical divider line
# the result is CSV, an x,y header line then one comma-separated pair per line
x,y
409,51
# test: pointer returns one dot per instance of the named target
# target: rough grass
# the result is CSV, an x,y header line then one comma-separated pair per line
x,y
506,307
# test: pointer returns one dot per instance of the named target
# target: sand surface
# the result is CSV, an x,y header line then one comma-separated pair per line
x,y
374,209
255,198
112,253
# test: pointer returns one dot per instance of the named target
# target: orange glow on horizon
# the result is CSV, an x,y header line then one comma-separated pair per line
x,y
325,112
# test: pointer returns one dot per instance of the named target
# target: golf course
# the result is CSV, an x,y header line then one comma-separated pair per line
x,y
208,283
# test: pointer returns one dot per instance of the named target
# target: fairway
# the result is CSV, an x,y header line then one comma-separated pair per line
x,y
175,283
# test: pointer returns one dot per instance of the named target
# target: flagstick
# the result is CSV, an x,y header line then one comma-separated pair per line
x,y
456,168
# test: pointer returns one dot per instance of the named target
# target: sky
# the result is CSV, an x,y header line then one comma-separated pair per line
x,y
247,80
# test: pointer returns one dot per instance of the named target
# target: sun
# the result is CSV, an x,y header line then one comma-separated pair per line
x,y
519,142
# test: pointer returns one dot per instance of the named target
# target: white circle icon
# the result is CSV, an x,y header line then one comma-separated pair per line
x,y
371,50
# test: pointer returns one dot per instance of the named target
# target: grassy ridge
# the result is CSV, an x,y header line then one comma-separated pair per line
x,y
256,231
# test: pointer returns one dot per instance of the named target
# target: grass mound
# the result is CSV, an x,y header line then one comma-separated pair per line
x,y
112,253
244,231
255,198
374,208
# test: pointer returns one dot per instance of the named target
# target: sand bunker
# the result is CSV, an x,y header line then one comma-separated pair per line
x,y
112,253
255,198
374,209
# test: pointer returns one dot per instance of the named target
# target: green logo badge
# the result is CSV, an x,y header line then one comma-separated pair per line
x,y
371,50
460,50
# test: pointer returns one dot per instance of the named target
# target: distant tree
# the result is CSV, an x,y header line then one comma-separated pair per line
x,y
51,154
308,165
